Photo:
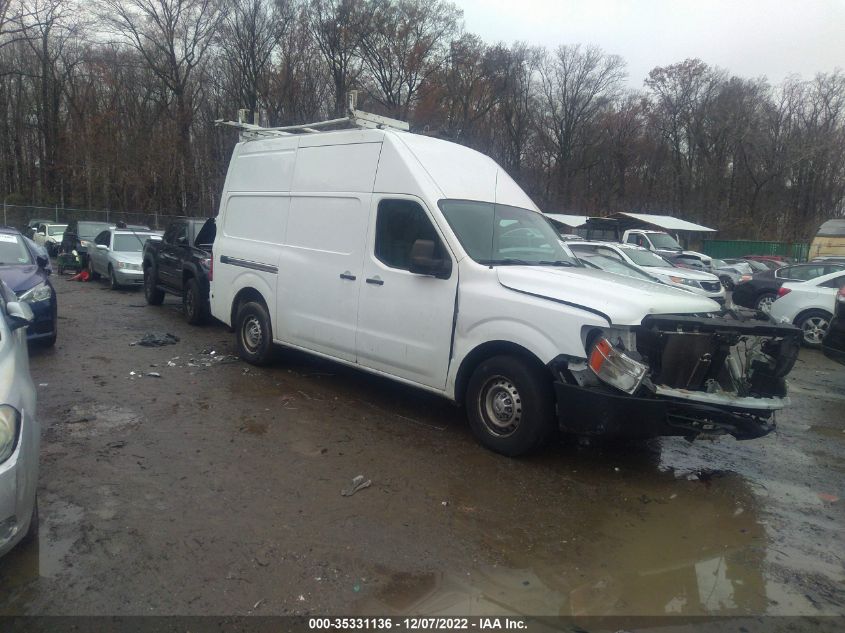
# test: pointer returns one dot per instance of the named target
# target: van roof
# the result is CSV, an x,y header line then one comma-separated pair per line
x,y
832,228
413,164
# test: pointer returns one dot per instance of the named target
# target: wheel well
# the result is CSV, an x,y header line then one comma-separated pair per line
x,y
186,275
801,315
244,295
482,353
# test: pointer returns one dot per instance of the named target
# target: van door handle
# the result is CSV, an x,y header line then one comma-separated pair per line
x,y
347,275
376,281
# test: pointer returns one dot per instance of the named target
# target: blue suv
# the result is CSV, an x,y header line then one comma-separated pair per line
x,y
26,270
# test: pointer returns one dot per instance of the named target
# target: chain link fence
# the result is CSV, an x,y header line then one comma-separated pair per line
x,y
19,216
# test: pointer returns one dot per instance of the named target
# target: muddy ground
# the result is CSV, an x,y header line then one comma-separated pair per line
x,y
215,489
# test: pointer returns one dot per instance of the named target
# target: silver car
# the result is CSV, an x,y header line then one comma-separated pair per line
x,y
20,433
118,255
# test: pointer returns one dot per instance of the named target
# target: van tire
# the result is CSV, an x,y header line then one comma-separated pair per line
x,y
153,294
510,405
194,304
253,333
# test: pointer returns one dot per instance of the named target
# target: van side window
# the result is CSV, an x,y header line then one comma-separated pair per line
x,y
400,223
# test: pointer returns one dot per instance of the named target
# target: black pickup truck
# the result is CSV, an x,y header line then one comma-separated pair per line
x,y
180,264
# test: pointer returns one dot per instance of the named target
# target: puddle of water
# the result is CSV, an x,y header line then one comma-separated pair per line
x,y
44,557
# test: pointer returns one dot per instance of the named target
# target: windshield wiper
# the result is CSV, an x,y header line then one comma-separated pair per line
x,y
524,262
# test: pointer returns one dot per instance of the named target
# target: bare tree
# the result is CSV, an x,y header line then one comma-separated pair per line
x,y
407,41
173,38
338,27
578,83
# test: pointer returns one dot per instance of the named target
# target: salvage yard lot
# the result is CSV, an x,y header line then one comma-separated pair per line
x,y
215,489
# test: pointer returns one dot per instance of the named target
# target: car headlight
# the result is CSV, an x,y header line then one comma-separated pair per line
x,y
41,292
10,430
687,282
128,266
616,368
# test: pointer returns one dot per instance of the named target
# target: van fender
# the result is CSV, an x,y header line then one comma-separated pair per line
x,y
249,283
504,336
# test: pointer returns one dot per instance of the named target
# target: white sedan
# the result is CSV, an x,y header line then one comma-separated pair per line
x,y
808,305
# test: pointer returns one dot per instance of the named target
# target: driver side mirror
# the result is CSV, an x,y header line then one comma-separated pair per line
x,y
423,261
18,315
42,261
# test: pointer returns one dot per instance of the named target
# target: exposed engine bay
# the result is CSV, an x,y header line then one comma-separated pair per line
x,y
698,374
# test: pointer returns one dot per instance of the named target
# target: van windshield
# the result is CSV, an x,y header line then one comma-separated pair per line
x,y
501,235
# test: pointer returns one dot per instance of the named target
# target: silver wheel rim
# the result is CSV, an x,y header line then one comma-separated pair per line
x,y
765,304
251,333
500,406
814,329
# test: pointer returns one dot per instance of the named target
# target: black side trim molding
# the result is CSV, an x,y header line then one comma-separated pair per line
x,y
245,263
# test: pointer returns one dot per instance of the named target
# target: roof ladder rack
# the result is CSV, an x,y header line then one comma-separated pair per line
x,y
355,119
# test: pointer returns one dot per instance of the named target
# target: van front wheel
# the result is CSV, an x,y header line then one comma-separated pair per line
x,y
510,405
254,334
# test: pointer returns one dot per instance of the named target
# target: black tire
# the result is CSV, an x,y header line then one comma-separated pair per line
x,y
727,282
90,266
152,293
113,280
254,334
32,533
510,405
194,303
765,301
813,324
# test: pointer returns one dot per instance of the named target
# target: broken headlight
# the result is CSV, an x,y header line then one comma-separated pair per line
x,y
616,368
41,292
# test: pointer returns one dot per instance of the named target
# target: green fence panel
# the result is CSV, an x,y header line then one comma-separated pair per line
x,y
738,248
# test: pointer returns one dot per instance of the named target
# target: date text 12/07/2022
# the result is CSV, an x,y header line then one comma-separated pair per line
x,y
418,623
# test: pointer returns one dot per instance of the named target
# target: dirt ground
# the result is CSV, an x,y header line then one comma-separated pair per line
x,y
215,489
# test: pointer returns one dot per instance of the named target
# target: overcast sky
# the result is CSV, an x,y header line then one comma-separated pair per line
x,y
750,38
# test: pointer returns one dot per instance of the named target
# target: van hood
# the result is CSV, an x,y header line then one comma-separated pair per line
x,y
626,301
683,273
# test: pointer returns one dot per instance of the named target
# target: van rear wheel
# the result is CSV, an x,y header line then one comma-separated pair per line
x,y
510,405
254,333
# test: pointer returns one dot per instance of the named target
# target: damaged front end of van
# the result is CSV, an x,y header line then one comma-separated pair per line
x,y
678,375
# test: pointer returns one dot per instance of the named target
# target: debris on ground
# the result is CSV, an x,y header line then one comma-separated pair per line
x,y
156,339
153,374
828,498
358,483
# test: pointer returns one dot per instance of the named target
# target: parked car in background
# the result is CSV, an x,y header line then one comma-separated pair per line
x,y
49,236
759,292
117,255
180,264
664,245
20,433
26,272
731,274
753,265
79,236
616,266
833,343
31,225
651,263
772,262
809,305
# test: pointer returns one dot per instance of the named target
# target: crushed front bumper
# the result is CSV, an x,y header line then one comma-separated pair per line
x,y
597,411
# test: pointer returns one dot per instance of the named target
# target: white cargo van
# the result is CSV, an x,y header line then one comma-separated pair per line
x,y
423,261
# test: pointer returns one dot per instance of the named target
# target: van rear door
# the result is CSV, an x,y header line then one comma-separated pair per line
x,y
405,319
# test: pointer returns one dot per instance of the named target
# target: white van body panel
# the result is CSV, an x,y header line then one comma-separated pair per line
x,y
313,265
